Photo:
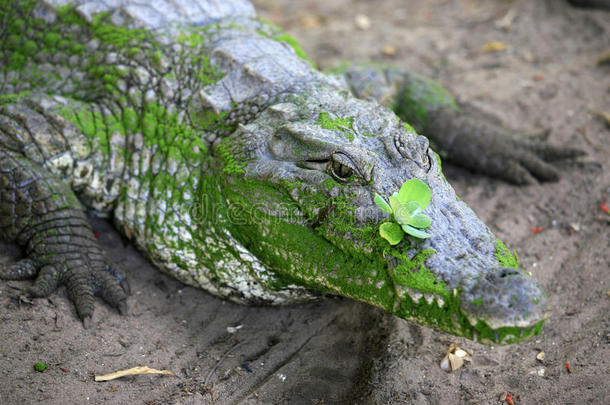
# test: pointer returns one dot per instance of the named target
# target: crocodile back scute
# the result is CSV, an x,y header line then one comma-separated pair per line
x,y
161,14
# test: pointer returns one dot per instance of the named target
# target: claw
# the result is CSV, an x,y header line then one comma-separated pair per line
x,y
112,289
538,168
551,153
46,282
515,173
86,322
125,286
123,308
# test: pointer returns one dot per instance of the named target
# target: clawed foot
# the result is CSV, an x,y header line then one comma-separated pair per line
x,y
525,158
85,276
43,214
489,149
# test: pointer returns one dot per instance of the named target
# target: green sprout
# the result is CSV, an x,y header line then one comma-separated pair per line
x,y
40,367
406,207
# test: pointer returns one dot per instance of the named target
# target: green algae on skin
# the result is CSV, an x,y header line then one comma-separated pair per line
x,y
130,114
418,96
408,127
340,124
232,165
158,126
295,45
414,274
505,257
307,256
278,34
30,40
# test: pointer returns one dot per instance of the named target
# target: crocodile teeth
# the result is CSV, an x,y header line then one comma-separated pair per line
x,y
416,296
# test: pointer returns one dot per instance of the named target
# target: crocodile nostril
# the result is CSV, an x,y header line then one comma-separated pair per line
x,y
415,149
508,272
401,145
423,142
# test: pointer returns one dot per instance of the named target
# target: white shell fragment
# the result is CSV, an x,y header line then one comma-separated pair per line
x,y
234,329
363,22
454,358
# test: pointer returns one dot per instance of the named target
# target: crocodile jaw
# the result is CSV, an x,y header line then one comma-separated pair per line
x,y
469,283
493,300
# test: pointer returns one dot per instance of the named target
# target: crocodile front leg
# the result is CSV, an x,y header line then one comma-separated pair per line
x,y
42,214
482,146
467,138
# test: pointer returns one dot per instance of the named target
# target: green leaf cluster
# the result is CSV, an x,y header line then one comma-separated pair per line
x,y
406,208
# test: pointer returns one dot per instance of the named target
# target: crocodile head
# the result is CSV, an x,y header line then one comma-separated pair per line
x,y
301,180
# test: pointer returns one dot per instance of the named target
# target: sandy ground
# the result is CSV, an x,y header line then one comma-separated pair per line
x,y
338,351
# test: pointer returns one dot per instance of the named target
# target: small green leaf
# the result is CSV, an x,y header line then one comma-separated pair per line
x,y
40,367
413,208
402,215
394,202
391,232
420,221
415,190
382,204
415,232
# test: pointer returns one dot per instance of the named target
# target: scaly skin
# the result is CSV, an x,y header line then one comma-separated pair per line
x,y
233,164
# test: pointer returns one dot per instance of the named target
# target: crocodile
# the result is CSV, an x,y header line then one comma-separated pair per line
x,y
214,145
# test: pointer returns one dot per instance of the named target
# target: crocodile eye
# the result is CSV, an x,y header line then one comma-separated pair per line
x,y
341,171
341,167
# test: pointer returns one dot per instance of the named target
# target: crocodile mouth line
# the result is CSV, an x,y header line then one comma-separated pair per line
x,y
442,311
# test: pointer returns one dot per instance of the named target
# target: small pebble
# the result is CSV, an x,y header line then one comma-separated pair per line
x,y
310,21
233,329
362,22
389,50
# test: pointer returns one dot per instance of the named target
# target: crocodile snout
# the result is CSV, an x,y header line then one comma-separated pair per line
x,y
503,297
